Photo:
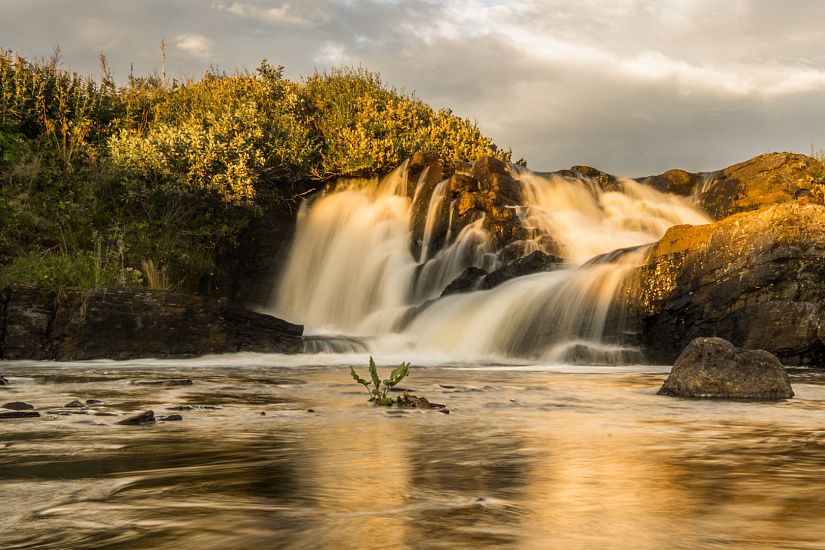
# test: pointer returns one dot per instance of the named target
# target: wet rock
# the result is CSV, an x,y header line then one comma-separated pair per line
x,y
756,279
715,368
147,417
126,323
485,191
94,402
28,316
465,282
535,262
4,381
171,418
192,408
676,182
5,415
310,410
170,382
76,404
607,182
18,406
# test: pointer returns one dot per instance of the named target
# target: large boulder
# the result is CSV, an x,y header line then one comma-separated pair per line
x,y
715,368
756,279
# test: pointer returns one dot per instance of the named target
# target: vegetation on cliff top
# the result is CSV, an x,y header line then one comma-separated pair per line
x,y
151,182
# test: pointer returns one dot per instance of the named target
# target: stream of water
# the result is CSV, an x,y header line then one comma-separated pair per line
x,y
529,457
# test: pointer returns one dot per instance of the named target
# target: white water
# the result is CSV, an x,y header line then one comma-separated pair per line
x,y
351,271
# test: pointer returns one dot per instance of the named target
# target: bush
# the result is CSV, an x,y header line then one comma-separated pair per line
x,y
170,175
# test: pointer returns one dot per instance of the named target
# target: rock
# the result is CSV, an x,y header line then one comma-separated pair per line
x,y
169,382
486,190
769,179
28,315
171,418
94,402
715,368
465,282
147,417
607,182
4,415
4,381
129,323
126,323
105,414
535,262
765,180
192,408
76,404
756,279
677,182
18,406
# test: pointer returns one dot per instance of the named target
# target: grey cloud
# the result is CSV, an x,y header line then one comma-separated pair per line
x,y
630,86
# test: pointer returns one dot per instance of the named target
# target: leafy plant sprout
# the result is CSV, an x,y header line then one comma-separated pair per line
x,y
377,388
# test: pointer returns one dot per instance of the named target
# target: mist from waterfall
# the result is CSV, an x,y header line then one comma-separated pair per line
x,y
352,270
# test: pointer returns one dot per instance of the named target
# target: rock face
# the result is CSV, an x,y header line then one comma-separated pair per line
x,y
130,323
756,279
714,368
762,181
535,262
486,191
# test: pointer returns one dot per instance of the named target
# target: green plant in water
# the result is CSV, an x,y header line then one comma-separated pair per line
x,y
377,388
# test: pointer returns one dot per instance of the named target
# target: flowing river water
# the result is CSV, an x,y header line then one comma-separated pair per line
x,y
529,457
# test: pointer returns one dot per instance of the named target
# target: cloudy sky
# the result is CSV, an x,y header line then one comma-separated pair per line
x,y
629,86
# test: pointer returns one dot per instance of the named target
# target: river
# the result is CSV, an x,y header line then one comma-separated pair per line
x,y
529,457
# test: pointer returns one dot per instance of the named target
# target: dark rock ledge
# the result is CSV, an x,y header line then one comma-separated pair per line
x,y
132,323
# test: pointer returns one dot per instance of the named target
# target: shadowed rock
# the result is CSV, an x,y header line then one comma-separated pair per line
x,y
465,282
535,262
715,368
18,414
170,382
147,417
756,279
18,406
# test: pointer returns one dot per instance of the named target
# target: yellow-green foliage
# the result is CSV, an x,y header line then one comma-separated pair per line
x,y
367,128
224,135
98,181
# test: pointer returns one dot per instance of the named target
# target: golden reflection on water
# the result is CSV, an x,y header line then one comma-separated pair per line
x,y
525,460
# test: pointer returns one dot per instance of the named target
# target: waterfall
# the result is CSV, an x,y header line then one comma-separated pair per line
x,y
354,273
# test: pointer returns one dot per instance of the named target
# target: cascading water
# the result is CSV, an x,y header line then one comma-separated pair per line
x,y
352,273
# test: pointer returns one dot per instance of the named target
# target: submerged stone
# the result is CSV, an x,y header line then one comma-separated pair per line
x,y
76,404
715,368
147,417
18,406
18,414
4,381
170,382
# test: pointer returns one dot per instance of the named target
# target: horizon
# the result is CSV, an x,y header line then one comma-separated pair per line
x,y
632,89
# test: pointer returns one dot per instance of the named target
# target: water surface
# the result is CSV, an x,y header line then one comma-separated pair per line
x,y
529,457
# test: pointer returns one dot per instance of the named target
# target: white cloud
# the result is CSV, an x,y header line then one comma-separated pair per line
x,y
195,45
283,14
